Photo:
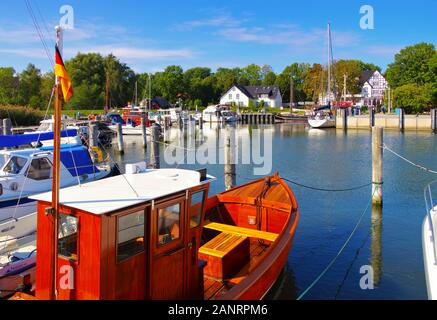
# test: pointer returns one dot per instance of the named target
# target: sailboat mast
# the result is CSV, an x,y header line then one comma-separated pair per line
x,y
136,93
56,168
107,95
329,63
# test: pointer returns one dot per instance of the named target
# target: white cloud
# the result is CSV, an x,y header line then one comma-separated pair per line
x,y
134,53
383,50
31,53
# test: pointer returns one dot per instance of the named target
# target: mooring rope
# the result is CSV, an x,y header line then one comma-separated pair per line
x,y
408,161
320,276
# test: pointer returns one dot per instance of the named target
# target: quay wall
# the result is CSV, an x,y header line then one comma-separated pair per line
x,y
394,122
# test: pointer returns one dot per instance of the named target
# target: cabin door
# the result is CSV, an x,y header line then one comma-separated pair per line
x,y
166,279
196,210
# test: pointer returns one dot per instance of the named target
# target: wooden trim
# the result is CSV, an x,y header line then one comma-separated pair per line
x,y
269,236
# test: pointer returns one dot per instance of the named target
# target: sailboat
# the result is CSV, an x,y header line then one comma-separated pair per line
x,y
322,117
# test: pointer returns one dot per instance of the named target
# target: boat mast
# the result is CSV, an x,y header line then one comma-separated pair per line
x,y
291,94
329,64
136,93
150,91
56,168
107,94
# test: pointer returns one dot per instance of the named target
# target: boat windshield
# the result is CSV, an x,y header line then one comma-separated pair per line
x,y
14,165
45,127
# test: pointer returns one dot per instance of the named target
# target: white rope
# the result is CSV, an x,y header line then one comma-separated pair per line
x,y
409,161
338,253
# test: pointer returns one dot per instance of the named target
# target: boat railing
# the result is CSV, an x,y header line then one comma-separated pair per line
x,y
430,194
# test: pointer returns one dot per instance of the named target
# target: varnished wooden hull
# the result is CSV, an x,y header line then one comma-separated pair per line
x,y
259,280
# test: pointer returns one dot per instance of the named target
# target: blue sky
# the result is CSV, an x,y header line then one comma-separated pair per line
x,y
149,35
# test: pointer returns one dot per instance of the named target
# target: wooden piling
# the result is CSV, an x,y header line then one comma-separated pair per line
x,y
344,114
229,157
372,117
154,150
144,132
201,123
120,138
402,119
93,135
377,165
7,127
433,113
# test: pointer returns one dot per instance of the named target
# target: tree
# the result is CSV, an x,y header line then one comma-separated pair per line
x,y
8,86
412,65
312,86
297,71
412,97
352,69
121,81
170,83
30,86
269,79
252,75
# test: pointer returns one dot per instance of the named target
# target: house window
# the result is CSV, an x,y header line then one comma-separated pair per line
x,y
67,236
169,223
196,208
230,96
238,96
130,238
39,169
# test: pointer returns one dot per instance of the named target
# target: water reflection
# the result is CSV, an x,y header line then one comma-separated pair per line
x,y
376,245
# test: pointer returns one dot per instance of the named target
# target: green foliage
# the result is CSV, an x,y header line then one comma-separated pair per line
x,y
413,65
8,86
297,71
413,98
21,116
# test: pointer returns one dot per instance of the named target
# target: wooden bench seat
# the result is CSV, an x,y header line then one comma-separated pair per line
x,y
242,231
226,254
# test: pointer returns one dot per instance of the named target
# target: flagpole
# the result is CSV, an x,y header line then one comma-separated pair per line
x,y
56,168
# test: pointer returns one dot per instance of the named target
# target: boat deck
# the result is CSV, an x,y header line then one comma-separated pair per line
x,y
214,288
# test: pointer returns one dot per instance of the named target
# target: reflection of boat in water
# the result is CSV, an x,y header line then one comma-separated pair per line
x,y
429,242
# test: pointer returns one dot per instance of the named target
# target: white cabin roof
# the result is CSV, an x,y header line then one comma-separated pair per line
x,y
115,193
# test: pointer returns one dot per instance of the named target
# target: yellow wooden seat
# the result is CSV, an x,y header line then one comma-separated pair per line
x,y
222,244
269,236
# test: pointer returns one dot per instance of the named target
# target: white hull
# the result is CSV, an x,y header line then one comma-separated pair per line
x,y
429,258
321,123
132,131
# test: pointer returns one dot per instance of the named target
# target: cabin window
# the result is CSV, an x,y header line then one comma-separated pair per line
x,y
67,236
196,208
15,165
169,223
39,169
130,240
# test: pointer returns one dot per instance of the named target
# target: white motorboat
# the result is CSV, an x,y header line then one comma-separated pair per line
x,y
429,243
29,171
132,130
219,113
66,123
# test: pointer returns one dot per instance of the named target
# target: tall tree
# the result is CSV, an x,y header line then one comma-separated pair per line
x,y
252,75
297,71
412,66
170,83
8,86
30,86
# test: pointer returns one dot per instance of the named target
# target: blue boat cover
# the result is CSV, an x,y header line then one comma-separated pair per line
x,y
76,159
25,139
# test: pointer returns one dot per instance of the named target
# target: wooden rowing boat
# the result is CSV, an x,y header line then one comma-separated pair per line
x,y
168,242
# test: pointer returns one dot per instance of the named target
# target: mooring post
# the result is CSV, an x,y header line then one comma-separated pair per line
x,y
372,117
377,164
201,123
144,132
154,150
434,120
120,138
7,127
401,119
93,135
229,157
344,114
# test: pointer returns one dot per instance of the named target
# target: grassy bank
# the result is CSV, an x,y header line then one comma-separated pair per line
x,y
21,116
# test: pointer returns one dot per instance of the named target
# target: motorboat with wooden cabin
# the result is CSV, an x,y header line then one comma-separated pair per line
x,y
155,234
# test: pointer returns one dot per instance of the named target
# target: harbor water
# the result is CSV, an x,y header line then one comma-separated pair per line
x,y
388,240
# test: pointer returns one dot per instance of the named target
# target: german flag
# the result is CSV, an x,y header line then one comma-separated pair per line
x,y
64,79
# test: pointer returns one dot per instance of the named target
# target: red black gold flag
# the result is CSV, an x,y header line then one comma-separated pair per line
x,y
64,79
